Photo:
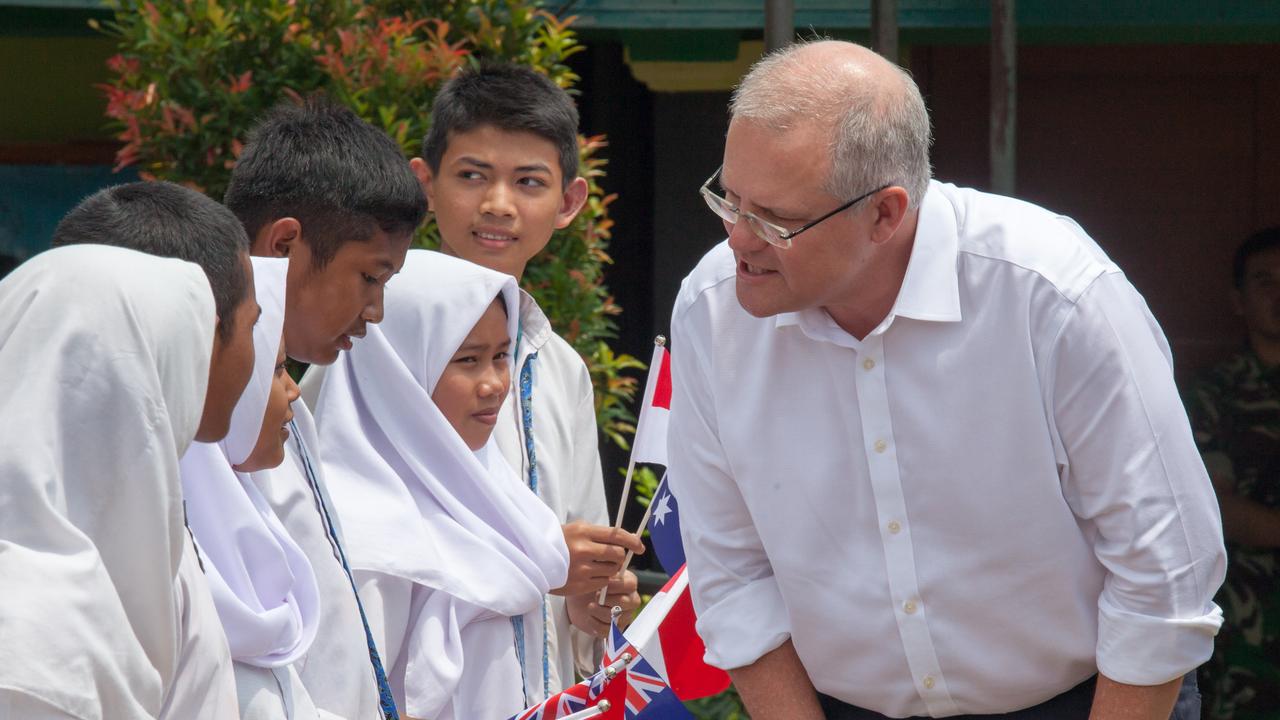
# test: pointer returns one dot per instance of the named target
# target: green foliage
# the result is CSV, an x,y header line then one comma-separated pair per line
x,y
192,76
725,706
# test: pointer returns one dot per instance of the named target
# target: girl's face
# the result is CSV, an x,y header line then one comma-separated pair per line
x,y
269,452
476,380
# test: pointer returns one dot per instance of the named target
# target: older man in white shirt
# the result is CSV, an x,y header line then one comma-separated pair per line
x,y
930,456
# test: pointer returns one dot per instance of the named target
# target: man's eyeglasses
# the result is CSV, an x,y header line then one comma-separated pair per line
x,y
765,230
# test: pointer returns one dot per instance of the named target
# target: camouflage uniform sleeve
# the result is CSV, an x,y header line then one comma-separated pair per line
x,y
1205,409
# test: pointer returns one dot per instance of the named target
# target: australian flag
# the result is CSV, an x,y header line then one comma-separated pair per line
x,y
664,527
648,697
577,698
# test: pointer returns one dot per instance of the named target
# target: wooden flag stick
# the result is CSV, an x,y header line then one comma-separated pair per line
x,y
626,561
659,341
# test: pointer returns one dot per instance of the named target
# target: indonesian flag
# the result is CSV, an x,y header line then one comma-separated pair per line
x,y
650,444
665,636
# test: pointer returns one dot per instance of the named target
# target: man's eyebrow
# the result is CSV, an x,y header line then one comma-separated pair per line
x,y
535,167
468,160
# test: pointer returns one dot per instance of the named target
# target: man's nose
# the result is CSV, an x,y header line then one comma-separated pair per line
x,y
742,238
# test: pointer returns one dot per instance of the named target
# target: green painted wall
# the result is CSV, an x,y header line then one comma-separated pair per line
x,y
47,86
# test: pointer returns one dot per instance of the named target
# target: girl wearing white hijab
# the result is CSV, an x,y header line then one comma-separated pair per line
x,y
263,586
105,354
451,551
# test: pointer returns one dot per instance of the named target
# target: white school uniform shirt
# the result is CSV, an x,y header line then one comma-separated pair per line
x,y
108,353
452,552
263,587
566,445
336,670
204,686
989,498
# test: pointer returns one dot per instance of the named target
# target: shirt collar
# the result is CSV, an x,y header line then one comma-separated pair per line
x,y
535,328
931,287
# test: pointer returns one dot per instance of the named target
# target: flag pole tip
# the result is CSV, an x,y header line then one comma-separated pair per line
x,y
614,612
660,340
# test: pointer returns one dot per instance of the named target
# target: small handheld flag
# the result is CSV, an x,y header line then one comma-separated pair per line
x,y
648,695
605,691
666,636
650,444
664,527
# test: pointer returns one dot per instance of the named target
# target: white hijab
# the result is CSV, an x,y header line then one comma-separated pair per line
x,y
105,356
262,583
415,501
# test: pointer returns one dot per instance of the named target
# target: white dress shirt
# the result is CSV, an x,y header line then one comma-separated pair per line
x,y
990,497
566,444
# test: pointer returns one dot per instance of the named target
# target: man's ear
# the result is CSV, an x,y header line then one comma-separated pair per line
x,y
575,196
426,179
890,208
278,238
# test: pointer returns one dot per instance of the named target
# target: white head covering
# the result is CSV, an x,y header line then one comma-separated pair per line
x,y
414,500
262,583
105,352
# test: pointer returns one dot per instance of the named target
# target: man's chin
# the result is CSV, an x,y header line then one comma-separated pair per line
x,y
756,305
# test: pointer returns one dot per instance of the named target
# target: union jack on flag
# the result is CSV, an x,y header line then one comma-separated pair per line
x,y
569,701
648,697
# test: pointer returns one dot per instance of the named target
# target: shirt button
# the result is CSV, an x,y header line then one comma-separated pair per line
x,y
868,364
928,682
881,446
895,527
909,607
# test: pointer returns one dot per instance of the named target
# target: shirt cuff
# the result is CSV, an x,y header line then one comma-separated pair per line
x,y
1144,650
744,624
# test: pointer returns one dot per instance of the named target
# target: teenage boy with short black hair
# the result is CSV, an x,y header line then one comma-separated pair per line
x,y
168,220
332,193
500,172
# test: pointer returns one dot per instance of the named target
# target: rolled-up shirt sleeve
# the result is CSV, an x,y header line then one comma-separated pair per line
x,y
1132,475
741,613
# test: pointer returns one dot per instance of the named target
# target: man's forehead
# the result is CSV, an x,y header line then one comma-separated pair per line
x,y
775,167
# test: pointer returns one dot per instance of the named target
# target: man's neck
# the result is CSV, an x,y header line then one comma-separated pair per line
x,y
877,296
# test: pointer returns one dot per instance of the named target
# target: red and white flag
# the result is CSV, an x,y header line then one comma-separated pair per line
x,y
664,634
650,444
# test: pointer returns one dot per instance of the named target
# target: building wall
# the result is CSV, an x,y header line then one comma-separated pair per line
x,y
1167,155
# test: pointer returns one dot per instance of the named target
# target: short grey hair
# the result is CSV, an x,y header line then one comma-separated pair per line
x,y
880,133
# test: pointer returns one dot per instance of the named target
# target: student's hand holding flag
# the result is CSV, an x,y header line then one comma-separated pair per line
x,y
596,554
591,617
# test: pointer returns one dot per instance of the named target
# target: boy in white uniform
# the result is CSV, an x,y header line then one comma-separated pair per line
x,y
334,195
500,172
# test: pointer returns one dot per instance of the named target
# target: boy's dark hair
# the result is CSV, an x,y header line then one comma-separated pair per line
x,y
511,98
1259,242
341,177
168,220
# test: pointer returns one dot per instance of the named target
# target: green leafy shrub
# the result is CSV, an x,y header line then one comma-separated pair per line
x,y
192,76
